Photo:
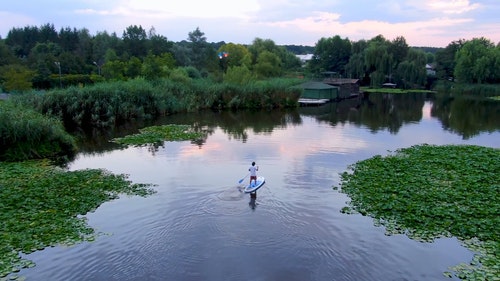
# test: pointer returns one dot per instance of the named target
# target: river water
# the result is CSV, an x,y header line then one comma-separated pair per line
x,y
200,226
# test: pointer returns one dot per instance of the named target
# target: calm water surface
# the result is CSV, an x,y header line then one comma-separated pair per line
x,y
199,226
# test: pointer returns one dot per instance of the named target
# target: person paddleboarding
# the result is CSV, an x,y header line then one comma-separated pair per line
x,y
253,173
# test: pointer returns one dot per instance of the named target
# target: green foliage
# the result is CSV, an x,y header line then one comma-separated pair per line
x,y
200,51
155,67
476,62
331,54
26,134
239,75
16,78
41,204
114,70
411,72
238,55
156,135
180,74
269,60
268,65
135,40
427,192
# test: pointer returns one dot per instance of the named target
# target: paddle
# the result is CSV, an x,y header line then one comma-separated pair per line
x,y
240,181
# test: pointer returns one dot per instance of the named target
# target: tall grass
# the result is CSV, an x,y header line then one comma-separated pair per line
x,y
107,104
27,134
474,90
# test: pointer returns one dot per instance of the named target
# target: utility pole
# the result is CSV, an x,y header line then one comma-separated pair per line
x,y
98,68
59,66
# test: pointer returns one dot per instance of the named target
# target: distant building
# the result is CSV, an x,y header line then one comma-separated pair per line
x,y
429,68
305,58
318,90
347,87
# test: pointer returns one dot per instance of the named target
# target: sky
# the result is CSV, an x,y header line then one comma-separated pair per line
x,y
430,23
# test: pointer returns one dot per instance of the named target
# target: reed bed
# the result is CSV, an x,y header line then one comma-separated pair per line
x,y
108,104
27,134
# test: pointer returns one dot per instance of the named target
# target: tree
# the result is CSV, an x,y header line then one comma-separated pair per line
x,y
101,43
6,56
181,53
260,45
68,39
378,61
399,49
268,65
331,54
42,59
135,39
475,61
133,67
158,44
198,48
240,75
16,78
157,66
231,55
445,60
411,72
22,40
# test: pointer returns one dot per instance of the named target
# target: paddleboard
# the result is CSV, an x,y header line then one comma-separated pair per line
x,y
255,185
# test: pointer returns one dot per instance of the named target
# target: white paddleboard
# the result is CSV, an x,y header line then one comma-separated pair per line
x,y
255,185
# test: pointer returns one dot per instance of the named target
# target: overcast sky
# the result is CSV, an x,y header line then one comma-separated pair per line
x,y
433,23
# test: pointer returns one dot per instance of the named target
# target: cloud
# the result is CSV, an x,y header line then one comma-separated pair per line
x,y
329,24
179,9
451,6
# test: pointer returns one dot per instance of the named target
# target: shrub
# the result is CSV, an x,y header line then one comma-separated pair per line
x,y
26,134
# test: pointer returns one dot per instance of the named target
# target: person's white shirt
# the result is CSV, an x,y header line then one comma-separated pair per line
x,y
253,170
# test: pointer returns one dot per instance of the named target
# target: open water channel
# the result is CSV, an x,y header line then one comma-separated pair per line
x,y
200,226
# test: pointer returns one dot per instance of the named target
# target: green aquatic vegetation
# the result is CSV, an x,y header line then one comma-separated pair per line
x,y
42,205
159,134
427,192
393,90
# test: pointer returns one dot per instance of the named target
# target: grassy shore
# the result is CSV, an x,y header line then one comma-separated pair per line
x,y
392,90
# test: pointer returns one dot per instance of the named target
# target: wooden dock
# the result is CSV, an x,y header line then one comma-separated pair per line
x,y
307,102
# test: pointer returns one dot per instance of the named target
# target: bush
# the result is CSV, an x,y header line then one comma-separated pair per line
x,y
26,134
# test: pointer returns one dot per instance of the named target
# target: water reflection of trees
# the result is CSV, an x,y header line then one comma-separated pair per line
x,y
467,116
236,124
375,111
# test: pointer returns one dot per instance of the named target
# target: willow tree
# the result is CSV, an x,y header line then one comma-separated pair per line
x,y
411,72
379,62
476,61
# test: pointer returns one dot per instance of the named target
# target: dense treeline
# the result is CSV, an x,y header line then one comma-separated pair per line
x,y
44,58
378,60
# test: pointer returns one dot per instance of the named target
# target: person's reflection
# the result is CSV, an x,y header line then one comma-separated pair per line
x,y
253,198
